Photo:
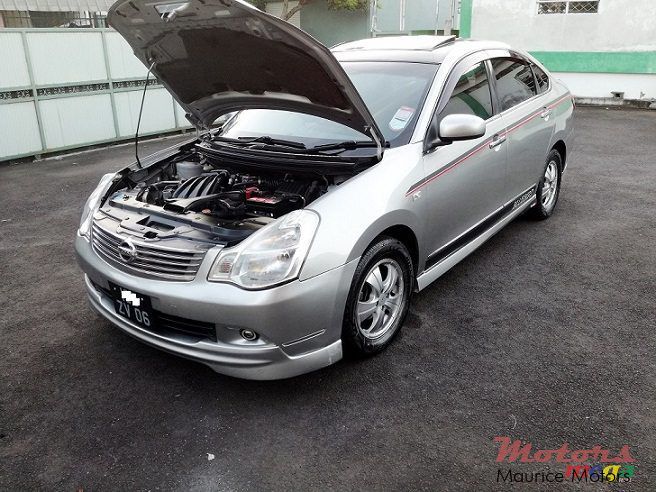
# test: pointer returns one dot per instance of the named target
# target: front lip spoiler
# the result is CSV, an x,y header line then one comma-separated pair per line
x,y
257,363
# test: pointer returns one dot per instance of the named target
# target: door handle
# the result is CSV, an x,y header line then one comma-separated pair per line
x,y
545,114
497,140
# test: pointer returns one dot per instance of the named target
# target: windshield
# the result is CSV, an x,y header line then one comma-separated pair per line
x,y
393,91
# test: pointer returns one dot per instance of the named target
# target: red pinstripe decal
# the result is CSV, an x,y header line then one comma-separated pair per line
x,y
553,105
451,166
462,159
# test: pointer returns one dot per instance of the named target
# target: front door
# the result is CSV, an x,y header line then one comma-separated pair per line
x,y
464,181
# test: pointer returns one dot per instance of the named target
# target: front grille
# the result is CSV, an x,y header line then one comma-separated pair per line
x,y
170,325
150,259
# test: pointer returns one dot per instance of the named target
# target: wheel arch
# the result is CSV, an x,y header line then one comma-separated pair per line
x,y
561,147
405,235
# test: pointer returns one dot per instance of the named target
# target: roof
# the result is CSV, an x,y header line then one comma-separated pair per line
x,y
405,43
415,49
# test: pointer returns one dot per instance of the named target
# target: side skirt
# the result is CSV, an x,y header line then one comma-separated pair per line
x,y
447,257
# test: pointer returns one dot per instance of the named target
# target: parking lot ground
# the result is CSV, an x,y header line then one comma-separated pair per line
x,y
545,334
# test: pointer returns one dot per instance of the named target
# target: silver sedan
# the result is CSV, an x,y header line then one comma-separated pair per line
x,y
323,189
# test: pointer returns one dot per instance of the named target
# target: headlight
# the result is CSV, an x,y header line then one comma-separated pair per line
x,y
272,255
93,202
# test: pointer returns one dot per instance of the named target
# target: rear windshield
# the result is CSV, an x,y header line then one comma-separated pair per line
x,y
394,92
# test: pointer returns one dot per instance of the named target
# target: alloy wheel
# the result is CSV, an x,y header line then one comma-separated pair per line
x,y
550,186
381,298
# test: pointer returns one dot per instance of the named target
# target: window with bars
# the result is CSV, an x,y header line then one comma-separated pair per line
x,y
16,18
568,6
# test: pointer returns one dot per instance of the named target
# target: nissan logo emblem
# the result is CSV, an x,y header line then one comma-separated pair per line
x,y
127,251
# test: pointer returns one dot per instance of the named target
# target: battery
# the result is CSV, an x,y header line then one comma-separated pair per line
x,y
275,205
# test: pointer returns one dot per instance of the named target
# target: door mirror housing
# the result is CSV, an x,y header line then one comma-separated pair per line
x,y
455,127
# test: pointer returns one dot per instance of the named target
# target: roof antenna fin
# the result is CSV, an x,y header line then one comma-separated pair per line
x,y
143,98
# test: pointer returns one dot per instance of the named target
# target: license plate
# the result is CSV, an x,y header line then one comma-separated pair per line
x,y
134,306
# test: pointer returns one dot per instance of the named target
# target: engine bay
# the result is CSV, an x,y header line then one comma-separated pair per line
x,y
228,195
193,197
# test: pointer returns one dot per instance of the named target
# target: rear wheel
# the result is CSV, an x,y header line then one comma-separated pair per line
x,y
548,189
379,298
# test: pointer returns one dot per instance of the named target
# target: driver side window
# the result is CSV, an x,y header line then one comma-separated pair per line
x,y
471,95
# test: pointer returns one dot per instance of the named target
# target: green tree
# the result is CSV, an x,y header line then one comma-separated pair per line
x,y
288,13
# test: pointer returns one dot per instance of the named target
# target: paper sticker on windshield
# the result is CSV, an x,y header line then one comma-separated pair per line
x,y
401,118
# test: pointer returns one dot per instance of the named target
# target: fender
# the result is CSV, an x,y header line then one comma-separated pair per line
x,y
360,209
391,219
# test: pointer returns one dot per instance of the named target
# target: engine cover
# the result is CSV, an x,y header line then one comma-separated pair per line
x,y
203,185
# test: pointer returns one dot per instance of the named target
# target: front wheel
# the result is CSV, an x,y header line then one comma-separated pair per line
x,y
548,189
379,298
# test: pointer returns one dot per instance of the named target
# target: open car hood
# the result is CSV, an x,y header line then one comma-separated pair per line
x,y
218,56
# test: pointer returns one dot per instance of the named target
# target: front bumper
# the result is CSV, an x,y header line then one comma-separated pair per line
x,y
299,323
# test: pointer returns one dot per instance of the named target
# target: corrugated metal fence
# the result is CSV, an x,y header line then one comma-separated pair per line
x,y
63,88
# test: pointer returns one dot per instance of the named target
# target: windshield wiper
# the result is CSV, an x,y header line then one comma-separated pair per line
x,y
246,141
331,148
347,145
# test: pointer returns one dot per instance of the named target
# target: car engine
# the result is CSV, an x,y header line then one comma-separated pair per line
x,y
226,195
205,202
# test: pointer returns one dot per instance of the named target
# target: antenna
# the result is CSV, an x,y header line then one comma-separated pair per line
x,y
143,98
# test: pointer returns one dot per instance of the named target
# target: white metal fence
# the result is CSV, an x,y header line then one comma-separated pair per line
x,y
64,88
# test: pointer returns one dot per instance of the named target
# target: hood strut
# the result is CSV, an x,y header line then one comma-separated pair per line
x,y
379,143
143,99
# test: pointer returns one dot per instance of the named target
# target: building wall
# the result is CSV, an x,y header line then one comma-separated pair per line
x,y
334,26
275,8
406,16
620,25
617,44
68,88
602,85
391,17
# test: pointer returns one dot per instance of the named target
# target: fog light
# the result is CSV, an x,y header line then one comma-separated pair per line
x,y
248,335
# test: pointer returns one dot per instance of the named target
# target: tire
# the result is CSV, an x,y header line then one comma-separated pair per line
x,y
548,189
379,298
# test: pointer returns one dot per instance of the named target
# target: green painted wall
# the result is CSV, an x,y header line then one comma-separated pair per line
x,y
334,26
389,14
466,7
638,62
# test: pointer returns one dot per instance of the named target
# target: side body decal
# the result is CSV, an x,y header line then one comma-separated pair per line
x,y
432,177
450,248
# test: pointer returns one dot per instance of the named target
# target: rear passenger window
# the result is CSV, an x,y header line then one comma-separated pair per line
x,y
471,95
515,82
542,79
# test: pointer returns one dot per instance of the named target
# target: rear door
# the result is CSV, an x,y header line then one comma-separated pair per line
x,y
527,117
464,181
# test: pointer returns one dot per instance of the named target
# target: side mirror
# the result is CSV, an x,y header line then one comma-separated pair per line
x,y
455,127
